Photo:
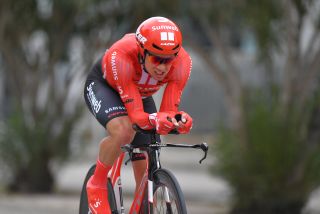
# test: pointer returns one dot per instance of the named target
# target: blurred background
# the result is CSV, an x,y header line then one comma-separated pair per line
x,y
254,94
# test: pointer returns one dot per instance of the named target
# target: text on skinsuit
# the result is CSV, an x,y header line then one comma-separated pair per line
x,y
95,103
115,108
104,71
120,90
114,65
115,114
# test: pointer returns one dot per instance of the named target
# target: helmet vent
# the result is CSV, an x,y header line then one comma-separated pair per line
x,y
176,47
157,47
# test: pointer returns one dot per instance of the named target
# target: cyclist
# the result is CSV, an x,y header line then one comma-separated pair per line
x,y
118,92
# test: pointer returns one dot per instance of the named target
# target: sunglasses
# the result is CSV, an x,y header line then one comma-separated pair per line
x,y
160,60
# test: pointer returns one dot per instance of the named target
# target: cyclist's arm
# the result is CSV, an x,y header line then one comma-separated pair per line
x,y
122,80
172,94
133,103
171,97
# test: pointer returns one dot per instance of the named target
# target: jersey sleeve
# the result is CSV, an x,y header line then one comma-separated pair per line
x,y
122,78
173,91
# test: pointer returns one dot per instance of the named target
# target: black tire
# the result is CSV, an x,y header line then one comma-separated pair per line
x,y
84,208
164,178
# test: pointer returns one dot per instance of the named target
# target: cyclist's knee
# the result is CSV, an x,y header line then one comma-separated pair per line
x,y
121,130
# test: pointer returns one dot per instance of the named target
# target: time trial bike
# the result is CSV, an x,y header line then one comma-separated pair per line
x,y
159,191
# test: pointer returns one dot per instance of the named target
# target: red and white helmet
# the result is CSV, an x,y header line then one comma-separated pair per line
x,y
159,35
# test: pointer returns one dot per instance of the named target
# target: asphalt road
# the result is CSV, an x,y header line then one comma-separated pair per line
x,y
68,204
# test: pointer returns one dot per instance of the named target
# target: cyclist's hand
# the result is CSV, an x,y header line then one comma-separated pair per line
x,y
185,124
162,122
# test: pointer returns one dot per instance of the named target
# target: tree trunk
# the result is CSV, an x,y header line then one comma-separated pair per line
x,y
34,178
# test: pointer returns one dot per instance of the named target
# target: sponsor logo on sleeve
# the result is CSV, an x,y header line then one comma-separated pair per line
x,y
114,65
120,90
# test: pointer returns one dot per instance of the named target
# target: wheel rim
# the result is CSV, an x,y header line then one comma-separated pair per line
x,y
164,201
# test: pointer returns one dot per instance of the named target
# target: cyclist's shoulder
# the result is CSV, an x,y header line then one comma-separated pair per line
x,y
124,50
184,55
126,45
181,68
120,60
183,60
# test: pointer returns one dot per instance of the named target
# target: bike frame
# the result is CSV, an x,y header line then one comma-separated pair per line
x,y
153,163
115,177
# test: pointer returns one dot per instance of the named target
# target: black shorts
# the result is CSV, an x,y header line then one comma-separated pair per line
x,y
105,103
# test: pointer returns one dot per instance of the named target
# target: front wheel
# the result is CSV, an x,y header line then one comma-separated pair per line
x,y
167,195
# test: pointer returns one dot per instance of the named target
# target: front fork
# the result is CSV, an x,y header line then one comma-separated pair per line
x,y
154,165
115,177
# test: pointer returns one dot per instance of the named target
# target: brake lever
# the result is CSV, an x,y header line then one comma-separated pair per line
x,y
205,148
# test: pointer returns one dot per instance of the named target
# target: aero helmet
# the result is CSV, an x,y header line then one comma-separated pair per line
x,y
159,35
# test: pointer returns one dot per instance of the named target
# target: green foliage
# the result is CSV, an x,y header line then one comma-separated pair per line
x,y
263,21
42,105
28,149
277,169
270,157
260,17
